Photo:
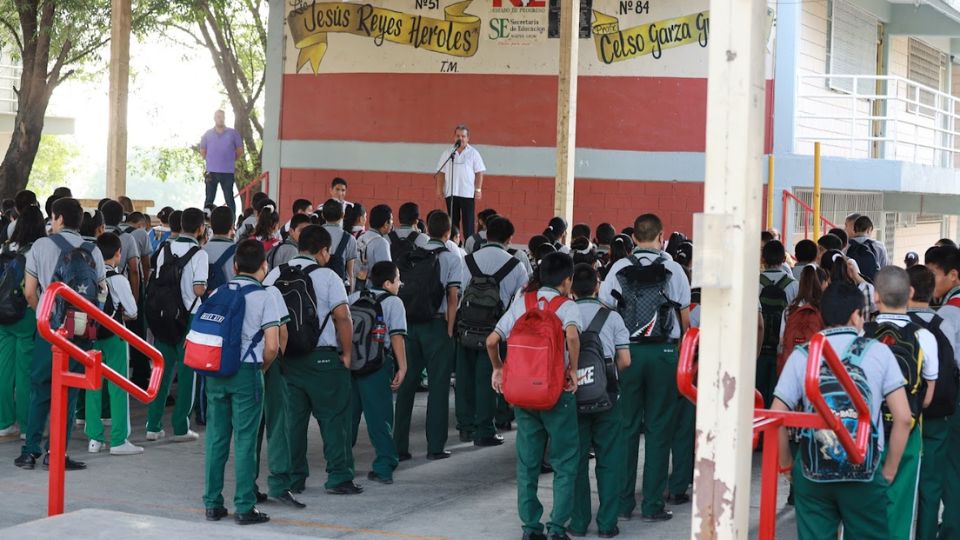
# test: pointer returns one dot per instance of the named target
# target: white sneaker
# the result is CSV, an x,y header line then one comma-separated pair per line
x,y
126,449
79,422
189,436
23,436
94,447
11,430
106,422
156,435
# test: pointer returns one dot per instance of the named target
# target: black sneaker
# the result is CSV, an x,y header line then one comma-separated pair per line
x,y
261,497
70,465
216,514
663,515
534,536
493,440
26,461
546,468
444,454
504,426
288,499
404,456
466,436
611,533
676,500
346,488
377,478
563,536
252,517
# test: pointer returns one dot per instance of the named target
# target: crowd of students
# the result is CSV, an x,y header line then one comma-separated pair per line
x,y
341,313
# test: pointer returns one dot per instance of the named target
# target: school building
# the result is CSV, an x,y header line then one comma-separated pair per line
x,y
372,92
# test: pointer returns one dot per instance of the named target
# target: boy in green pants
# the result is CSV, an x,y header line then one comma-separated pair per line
x,y
558,424
373,392
115,356
602,431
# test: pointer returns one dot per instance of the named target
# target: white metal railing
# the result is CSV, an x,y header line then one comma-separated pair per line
x,y
884,117
9,77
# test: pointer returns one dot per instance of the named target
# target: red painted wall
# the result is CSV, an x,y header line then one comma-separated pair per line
x,y
523,200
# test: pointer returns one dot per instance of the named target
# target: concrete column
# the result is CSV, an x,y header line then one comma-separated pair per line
x,y
119,89
726,268
786,87
273,94
567,110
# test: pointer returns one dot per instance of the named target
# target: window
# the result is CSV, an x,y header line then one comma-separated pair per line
x,y
851,45
926,66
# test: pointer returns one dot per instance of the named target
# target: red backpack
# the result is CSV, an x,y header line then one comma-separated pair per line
x,y
535,372
802,323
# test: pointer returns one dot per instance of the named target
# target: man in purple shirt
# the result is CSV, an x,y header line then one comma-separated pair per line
x,y
221,147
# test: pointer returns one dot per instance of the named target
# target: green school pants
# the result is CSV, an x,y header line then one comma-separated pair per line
x,y
428,345
534,430
766,378
604,433
648,396
235,406
319,384
41,374
114,356
274,426
476,401
822,507
902,493
186,382
681,448
16,352
373,399
932,468
950,528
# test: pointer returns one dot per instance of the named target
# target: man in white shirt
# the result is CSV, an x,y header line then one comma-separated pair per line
x,y
460,180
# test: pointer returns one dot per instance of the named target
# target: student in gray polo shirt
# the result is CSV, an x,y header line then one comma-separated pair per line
x,y
408,215
476,402
373,245
42,260
333,217
129,250
286,250
476,240
221,222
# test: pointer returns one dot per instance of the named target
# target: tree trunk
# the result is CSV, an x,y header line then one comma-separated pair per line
x,y
25,140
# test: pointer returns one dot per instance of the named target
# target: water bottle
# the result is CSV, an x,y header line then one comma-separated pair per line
x,y
379,330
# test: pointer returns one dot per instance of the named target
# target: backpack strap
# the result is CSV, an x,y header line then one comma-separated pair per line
x,y
532,301
472,266
342,246
633,260
600,319
505,270
61,243
394,237
222,260
245,290
765,281
182,261
307,270
784,282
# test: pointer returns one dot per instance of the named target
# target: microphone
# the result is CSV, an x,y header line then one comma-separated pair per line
x,y
456,144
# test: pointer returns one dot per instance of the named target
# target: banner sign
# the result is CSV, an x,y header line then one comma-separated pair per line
x,y
615,45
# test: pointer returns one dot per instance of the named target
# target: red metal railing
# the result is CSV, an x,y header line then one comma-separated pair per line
x,y
246,193
769,421
91,379
807,213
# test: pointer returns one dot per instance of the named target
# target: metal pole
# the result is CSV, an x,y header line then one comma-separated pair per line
x,y
816,191
58,432
567,110
770,195
120,16
728,248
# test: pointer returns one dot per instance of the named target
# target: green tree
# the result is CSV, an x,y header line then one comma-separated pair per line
x,y
55,165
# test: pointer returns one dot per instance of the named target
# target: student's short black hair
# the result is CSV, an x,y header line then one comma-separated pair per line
x,y
112,213
580,230
839,233
380,215
175,221
945,258
257,197
91,223
862,224
249,256
484,215
134,218
382,272
773,253
23,199
438,224
543,250
192,220
164,214
221,220
555,268
830,241
806,251
628,231
332,211
605,234
946,242
301,205
63,191
313,239
48,206
500,230
839,302
258,204
647,228
923,282
584,280
409,214
69,209
535,242
109,245
337,181
298,220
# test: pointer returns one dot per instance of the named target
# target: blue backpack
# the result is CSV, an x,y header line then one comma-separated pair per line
x,y
822,456
77,268
216,276
213,345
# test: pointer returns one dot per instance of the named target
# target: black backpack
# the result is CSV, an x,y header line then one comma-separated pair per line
x,y
272,254
167,317
944,401
478,242
866,256
400,246
905,346
482,305
337,262
642,300
112,308
369,334
422,292
13,304
773,302
597,387
296,288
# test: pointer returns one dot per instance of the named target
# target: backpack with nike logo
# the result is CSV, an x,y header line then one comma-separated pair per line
x,y
597,387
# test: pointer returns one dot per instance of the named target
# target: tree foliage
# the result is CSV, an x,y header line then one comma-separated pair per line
x,y
55,165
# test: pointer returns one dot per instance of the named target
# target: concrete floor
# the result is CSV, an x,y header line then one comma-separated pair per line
x,y
472,495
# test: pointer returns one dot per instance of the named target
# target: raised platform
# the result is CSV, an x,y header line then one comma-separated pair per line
x,y
93,524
